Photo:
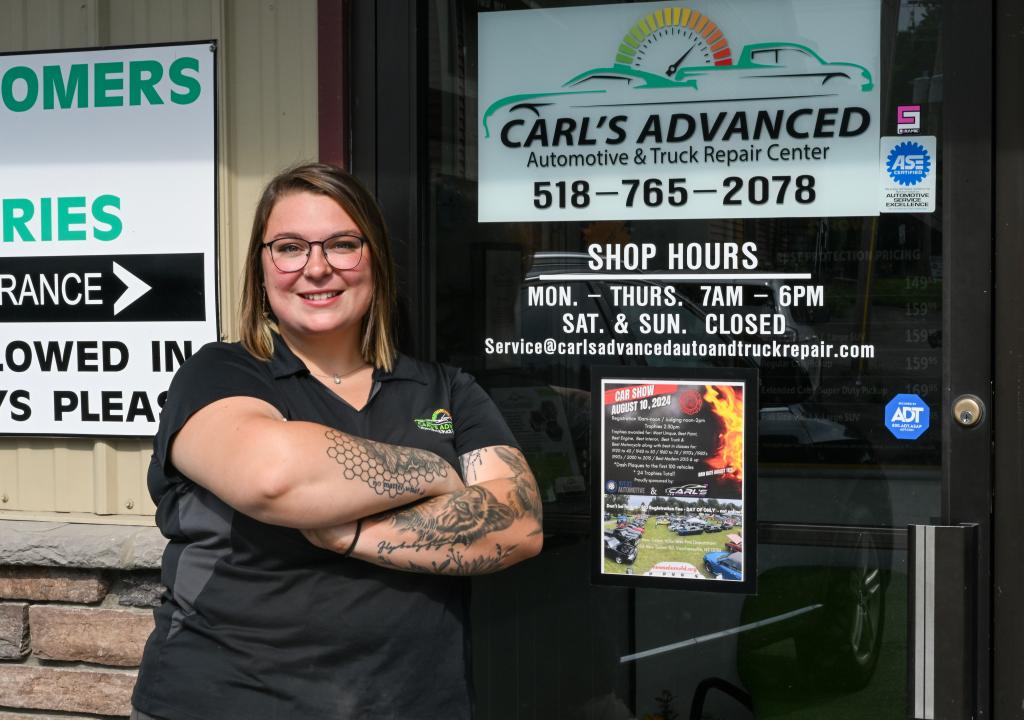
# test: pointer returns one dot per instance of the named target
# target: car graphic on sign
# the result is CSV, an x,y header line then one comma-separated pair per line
x,y
762,68
763,63
692,490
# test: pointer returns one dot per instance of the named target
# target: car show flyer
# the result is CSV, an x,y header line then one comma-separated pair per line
x,y
675,464
724,109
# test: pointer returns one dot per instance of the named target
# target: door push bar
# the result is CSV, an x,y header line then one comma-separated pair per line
x,y
942,591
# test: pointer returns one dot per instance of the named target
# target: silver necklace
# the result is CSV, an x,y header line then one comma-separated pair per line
x,y
338,377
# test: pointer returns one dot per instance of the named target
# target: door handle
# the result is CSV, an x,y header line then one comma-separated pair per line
x,y
942,589
968,410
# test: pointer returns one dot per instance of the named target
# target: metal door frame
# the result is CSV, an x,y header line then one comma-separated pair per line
x,y
1008,505
966,149
388,147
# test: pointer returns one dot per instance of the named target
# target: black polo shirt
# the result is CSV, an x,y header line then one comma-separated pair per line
x,y
258,624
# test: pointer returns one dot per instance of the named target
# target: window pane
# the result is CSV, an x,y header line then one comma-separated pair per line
x,y
826,458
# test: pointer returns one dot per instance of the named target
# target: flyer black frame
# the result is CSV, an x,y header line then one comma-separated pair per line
x,y
749,378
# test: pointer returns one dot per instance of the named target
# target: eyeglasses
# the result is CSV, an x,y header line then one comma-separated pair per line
x,y
342,252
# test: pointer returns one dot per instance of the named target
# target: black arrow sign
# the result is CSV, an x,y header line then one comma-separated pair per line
x,y
102,288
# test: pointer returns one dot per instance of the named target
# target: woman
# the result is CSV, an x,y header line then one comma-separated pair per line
x,y
306,480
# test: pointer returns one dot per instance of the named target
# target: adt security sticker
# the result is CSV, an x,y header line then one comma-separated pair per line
x,y
907,174
907,416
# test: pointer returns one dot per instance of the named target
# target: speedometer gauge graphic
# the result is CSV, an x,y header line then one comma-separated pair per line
x,y
672,38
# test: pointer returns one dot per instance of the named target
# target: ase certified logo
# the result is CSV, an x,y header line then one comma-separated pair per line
x,y
688,490
908,163
440,422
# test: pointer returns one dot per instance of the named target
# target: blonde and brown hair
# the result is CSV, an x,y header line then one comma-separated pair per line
x,y
257,320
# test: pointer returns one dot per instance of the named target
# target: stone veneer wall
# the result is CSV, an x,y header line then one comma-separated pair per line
x,y
75,612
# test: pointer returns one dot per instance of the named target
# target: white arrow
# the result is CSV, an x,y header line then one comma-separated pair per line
x,y
134,290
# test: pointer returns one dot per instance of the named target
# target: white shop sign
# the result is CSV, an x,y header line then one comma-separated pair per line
x,y
728,109
108,244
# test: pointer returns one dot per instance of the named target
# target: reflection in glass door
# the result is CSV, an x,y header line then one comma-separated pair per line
x,y
826,635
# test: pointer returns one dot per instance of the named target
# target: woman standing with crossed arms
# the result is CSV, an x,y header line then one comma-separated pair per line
x,y
306,478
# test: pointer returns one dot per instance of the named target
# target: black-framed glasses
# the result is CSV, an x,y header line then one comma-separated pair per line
x,y
342,252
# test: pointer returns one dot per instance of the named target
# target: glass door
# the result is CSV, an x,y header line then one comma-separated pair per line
x,y
855,438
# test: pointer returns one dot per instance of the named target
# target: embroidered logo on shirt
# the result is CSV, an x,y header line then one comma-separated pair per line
x,y
439,422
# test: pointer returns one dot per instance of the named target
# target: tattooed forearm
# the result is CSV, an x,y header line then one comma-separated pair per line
x,y
475,529
464,517
455,563
387,469
461,518
523,498
471,461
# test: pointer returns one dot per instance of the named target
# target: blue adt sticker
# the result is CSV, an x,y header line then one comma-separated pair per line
x,y
908,163
907,416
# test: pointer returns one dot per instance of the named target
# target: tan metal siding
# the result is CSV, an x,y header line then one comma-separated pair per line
x,y
46,24
267,119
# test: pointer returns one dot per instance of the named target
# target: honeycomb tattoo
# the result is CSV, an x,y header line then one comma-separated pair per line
x,y
387,469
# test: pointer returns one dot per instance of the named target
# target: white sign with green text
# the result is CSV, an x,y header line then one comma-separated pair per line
x,y
726,109
108,245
